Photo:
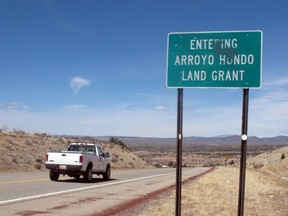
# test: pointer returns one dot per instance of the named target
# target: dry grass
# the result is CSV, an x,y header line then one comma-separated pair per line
x,y
217,193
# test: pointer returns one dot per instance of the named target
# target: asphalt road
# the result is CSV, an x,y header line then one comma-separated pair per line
x,y
32,193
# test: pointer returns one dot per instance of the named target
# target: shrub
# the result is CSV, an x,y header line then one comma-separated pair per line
x,y
171,164
19,131
114,160
38,166
41,135
39,160
231,162
258,165
157,165
113,140
118,142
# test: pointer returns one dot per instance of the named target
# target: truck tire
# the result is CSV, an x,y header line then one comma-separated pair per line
x,y
54,176
88,175
107,173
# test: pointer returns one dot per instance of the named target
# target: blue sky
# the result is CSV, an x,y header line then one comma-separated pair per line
x,y
99,67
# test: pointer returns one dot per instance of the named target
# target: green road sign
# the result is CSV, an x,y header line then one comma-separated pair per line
x,y
214,59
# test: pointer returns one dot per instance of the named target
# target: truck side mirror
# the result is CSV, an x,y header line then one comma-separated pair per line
x,y
107,154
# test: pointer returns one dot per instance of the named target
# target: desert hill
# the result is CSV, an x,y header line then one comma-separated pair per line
x,y
275,161
24,151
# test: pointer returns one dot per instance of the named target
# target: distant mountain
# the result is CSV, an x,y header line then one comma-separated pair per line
x,y
236,139
193,140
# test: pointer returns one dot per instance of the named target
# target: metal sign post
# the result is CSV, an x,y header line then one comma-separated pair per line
x,y
179,151
243,152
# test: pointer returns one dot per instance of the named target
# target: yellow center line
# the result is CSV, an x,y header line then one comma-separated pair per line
x,y
23,180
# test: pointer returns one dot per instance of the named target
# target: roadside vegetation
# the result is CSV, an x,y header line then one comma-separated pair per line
x,y
216,193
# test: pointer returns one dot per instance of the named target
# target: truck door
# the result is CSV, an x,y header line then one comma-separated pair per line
x,y
102,163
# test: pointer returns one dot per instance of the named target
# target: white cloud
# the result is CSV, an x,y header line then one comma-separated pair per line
x,y
160,108
8,106
75,107
13,106
277,82
77,83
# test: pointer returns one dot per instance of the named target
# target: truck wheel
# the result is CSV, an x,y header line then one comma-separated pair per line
x,y
107,173
54,176
88,175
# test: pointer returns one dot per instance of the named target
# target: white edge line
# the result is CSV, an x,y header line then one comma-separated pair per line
x,y
79,189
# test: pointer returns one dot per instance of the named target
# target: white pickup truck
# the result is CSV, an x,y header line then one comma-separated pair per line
x,y
79,159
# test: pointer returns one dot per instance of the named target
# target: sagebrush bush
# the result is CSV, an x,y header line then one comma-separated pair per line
x,y
39,160
258,165
38,166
